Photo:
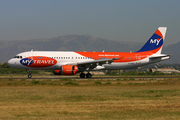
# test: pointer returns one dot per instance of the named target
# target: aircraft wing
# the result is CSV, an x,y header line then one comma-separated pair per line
x,y
89,65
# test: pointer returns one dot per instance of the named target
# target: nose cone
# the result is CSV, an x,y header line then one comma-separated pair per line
x,y
13,63
10,62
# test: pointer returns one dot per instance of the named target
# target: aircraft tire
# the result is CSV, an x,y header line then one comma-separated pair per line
x,y
88,75
82,75
29,76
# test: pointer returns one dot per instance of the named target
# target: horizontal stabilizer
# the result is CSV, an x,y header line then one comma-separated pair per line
x,y
159,56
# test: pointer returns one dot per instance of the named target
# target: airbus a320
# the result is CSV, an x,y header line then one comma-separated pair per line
x,y
72,62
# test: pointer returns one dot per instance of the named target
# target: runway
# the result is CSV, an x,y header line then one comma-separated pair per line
x,y
93,78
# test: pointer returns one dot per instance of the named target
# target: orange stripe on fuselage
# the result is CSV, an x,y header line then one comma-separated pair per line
x,y
123,56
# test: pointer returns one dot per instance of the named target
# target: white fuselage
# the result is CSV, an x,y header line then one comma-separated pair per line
x,y
54,60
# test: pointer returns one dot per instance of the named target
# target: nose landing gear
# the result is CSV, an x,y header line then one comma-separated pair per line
x,y
30,76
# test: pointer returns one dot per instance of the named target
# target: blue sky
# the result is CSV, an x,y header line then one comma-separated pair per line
x,y
121,20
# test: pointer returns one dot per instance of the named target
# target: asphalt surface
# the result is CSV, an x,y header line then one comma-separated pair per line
x,y
93,78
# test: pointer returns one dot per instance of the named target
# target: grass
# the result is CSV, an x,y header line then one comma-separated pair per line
x,y
98,82
71,83
35,82
89,99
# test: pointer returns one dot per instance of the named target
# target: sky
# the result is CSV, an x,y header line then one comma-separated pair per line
x,y
120,20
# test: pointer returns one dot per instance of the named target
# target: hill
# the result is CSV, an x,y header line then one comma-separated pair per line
x,y
9,49
174,51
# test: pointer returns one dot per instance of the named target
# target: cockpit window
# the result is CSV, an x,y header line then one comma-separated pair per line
x,y
18,57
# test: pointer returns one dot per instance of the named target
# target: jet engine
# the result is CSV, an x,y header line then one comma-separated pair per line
x,y
66,70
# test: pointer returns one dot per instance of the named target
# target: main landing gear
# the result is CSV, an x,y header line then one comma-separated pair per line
x,y
30,76
88,75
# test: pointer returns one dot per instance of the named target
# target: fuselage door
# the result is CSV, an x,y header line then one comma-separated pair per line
x,y
138,58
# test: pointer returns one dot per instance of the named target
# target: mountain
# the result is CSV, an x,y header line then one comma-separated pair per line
x,y
9,49
174,51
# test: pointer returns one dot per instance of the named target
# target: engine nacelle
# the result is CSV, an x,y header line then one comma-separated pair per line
x,y
66,70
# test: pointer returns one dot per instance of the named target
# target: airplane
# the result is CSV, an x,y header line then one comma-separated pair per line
x,y
73,62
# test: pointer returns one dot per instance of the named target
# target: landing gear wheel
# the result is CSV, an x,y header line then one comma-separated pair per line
x,y
88,75
82,75
29,76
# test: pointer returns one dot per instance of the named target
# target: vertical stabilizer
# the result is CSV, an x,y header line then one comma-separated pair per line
x,y
155,43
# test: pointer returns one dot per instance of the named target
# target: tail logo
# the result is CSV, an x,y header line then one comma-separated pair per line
x,y
155,41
